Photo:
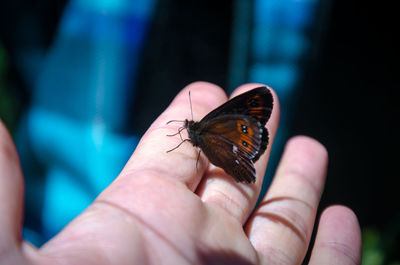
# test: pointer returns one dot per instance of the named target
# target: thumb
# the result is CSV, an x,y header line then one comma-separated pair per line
x,y
11,194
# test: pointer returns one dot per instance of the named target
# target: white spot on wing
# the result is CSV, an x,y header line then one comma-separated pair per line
x,y
234,149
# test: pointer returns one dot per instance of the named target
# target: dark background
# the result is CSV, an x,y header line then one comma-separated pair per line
x,y
348,102
346,99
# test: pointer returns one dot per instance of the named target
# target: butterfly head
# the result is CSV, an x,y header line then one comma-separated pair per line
x,y
192,128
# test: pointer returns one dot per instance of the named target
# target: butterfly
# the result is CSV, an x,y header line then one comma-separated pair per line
x,y
233,136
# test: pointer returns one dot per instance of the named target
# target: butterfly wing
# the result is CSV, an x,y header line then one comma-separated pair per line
x,y
257,103
232,142
233,135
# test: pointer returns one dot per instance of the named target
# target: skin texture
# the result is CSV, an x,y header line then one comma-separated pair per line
x,y
161,210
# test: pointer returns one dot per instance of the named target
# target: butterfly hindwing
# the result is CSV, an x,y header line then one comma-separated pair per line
x,y
230,158
233,142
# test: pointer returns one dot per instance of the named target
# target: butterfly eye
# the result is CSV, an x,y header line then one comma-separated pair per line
x,y
246,134
244,129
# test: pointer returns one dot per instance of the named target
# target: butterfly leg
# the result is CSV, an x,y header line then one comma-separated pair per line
x,y
197,161
179,132
184,140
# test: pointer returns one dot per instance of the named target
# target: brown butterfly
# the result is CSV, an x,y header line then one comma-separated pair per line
x,y
233,135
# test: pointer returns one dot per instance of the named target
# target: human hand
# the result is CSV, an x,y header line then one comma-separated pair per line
x,y
161,210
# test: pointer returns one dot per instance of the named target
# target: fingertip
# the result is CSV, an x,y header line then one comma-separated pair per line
x,y
202,92
306,152
204,97
308,143
341,216
338,237
203,86
339,210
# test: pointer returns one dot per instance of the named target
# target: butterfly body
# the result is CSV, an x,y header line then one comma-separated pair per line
x,y
233,135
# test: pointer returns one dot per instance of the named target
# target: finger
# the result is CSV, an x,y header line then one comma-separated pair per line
x,y
222,191
180,164
282,225
11,192
338,239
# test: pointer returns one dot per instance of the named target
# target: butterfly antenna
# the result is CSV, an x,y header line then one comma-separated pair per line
x,y
190,101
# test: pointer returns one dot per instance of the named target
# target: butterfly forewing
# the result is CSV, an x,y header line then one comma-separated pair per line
x,y
257,103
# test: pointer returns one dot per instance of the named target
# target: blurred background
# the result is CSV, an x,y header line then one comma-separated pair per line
x,y
81,81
